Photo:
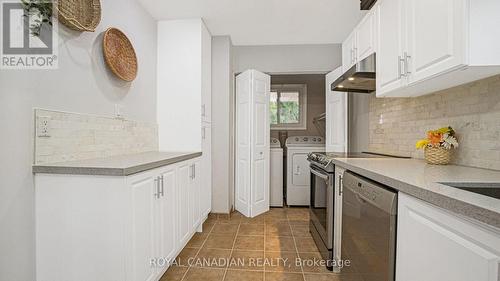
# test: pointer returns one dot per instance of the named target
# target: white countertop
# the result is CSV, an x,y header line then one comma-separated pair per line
x,y
421,180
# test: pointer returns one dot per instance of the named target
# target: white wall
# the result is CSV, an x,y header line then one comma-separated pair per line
x,y
222,77
298,59
81,84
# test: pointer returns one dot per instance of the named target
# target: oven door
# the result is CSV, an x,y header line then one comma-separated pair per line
x,y
322,204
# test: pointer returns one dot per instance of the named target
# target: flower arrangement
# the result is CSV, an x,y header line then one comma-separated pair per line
x,y
438,145
444,137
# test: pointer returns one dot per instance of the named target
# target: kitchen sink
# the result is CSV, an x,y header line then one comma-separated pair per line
x,y
490,189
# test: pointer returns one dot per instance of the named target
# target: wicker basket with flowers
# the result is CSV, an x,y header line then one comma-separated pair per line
x,y
438,146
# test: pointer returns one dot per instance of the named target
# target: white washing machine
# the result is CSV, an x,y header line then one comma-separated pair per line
x,y
298,183
276,174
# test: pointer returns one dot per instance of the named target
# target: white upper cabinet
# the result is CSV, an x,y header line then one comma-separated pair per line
x,y
348,52
365,36
361,42
436,37
183,83
390,45
430,45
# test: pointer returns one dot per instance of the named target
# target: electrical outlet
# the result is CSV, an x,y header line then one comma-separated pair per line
x,y
43,126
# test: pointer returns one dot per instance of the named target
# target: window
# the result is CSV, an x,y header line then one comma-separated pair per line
x,y
288,107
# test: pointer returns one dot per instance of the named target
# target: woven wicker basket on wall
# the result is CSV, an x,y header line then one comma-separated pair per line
x,y
81,15
437,155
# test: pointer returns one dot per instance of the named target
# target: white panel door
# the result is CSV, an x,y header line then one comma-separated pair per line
x,y
183,187
167,213
336,115
436,36
243,143
144,227
365,36
348,52
390,45
434,245
261,86
206,171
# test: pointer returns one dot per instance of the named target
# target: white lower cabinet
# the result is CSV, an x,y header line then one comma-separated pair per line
x,y
435,245
105,228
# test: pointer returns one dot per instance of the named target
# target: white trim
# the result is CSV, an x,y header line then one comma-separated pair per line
x,y
302,89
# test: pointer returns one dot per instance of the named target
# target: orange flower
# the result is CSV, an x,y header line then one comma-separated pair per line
x,y
434,137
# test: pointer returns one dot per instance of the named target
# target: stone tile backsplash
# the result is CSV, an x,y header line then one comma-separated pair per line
x,y
473,110
79,136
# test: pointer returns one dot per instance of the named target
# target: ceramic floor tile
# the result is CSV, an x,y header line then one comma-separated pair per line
x,y
283,276
313,262
174,273
277,243
306,244
197,240
300,230
256,220
219,241
249,243
282,261
239,275
214,258
279,229
185,256
205,274
225,228
248,260
251,229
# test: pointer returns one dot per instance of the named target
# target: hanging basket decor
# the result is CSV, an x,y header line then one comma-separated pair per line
x,y
80,15
120,54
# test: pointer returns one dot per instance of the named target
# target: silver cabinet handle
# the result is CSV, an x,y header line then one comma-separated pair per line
x,y
157,184
203,133
203,111
400,69
162,187
194,171
407,62
340,185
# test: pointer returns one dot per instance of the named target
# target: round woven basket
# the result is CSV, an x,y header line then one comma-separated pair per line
x,y
437,155
120,54
81,15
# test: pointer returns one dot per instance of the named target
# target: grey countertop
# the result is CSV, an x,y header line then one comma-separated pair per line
x,y
123,165
421,180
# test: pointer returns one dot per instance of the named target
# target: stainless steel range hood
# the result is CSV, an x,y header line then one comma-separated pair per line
x,y
358,79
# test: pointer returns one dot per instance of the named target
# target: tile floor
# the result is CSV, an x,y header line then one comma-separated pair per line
x,y
236,248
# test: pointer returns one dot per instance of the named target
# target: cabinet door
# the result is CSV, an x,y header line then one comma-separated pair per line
x,y
365,36
336,115
206,182
183,194
167,213
436,37
390,45
206,74
348,52
194,195
435,245
144,227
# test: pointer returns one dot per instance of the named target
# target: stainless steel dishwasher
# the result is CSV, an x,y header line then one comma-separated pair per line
x,y
369,216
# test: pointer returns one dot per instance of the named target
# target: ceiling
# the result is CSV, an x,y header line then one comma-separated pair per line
x,y
266,22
